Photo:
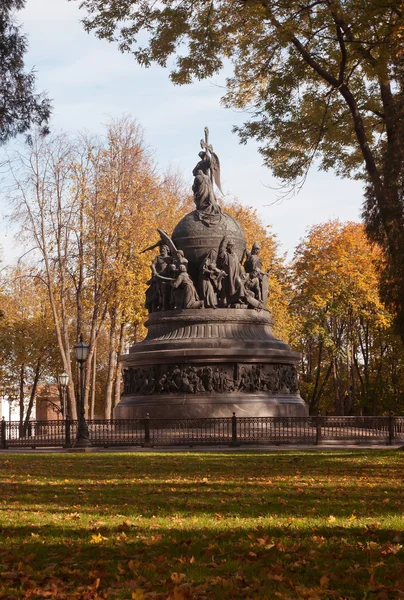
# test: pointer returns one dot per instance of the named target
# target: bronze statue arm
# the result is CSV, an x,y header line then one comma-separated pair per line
x,y
165,278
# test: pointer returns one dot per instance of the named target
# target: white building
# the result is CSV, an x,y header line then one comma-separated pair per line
x,y
10,407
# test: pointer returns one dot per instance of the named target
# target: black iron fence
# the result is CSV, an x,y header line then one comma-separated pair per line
x,y
231,431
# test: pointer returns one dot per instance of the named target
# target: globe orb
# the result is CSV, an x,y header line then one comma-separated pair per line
x,y
196,236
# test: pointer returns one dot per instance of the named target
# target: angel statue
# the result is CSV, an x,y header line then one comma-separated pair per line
x,y
170,286
206,172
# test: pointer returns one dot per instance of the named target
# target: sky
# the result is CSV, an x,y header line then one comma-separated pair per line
x,y
90,82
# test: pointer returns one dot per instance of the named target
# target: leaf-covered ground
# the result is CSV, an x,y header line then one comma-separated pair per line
x,y
202,525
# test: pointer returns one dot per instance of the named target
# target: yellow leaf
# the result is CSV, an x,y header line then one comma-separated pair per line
x,y
177,577
137,595
331,519
97,538
352,517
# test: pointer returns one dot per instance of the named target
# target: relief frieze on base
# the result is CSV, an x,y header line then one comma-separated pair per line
x,y
199,379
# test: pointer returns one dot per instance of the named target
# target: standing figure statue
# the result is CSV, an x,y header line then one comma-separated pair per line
x,y
210,280
253,263
233,285
237,289
206,172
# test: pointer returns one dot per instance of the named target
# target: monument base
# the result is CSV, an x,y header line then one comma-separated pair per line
x,y
213,405
210,363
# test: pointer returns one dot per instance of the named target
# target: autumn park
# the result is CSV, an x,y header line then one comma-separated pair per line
x,y
189,409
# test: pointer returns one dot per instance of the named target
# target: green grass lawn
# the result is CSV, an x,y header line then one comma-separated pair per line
x,y
202,525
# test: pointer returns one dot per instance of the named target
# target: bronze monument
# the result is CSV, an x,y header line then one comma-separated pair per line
x,y
209,350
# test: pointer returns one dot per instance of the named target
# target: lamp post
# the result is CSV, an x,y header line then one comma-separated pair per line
x,y
3,397
63,382
82,439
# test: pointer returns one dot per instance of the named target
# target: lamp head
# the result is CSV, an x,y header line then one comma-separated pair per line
x,y
81,351
63,379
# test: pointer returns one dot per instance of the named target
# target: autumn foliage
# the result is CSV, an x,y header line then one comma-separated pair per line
x,y
86,208
350,357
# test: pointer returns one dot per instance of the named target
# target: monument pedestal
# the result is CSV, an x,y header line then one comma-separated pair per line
x,y
211,361
198,363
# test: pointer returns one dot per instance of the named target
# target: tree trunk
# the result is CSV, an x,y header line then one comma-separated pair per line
x,y
32,396
93,384
337,398
21,393
117,380
111,365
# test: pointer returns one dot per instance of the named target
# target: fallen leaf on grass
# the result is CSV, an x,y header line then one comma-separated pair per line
x,y
97,538
74,516
126,524
391,548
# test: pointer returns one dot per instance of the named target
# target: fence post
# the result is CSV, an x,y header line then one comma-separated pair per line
x,y
391,428
67,432
147,431
318,428
234,430
3,433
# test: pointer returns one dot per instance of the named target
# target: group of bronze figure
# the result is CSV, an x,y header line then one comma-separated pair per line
x,y
183,379
222,280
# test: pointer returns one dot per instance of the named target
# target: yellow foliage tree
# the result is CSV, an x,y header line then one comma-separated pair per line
x,y
340,318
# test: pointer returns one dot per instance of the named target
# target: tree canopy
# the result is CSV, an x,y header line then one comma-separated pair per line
x,y
322,79
20,106
341,328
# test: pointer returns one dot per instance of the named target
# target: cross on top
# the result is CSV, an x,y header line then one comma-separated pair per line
x,y
205,143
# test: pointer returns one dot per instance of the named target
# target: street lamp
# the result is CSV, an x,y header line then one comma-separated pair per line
x,y
3,397
63,382
82,439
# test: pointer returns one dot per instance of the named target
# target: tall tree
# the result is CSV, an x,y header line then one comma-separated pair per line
x,y
20,106
324,81
28,349
342,328
86,209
